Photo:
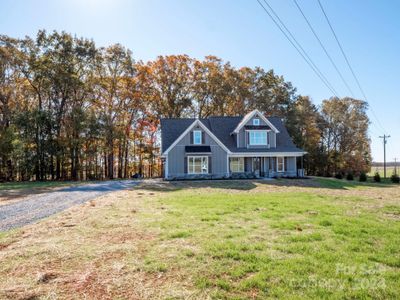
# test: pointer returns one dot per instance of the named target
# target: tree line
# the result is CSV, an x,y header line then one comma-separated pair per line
x,y
70,110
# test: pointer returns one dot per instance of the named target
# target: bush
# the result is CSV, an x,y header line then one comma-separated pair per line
x,y
377,177
395,178
363,177
339,176
350,176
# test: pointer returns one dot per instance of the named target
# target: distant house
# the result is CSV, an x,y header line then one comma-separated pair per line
x,y
252,146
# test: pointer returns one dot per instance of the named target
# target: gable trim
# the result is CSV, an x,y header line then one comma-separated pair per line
x,y
247,117
196,122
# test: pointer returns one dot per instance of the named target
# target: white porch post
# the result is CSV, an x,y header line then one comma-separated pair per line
x,y
227,165
166,167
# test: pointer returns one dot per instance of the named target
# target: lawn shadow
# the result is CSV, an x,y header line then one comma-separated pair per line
x,y
332,183
171,186
10,195
249,184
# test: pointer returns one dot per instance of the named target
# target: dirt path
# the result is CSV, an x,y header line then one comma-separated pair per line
x,y
39,206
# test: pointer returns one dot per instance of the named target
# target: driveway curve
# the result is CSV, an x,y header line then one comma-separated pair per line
x,y
36,207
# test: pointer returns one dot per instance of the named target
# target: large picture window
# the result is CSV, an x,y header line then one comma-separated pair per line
x,y
280,164
236,164
197,164
258,137
197,137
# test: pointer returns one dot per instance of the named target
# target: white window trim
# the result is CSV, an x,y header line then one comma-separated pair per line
x,y
258,122
257,130
206,157
194,134
250,115
239,158
283,164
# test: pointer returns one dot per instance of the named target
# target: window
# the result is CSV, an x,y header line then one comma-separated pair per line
x,y
236,164
258,137
256,122
197,164
280,164
197,137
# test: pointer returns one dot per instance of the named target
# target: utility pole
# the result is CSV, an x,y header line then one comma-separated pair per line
x,y
384,137
395,165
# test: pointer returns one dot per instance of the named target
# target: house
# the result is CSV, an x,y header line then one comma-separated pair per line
x,y
229,147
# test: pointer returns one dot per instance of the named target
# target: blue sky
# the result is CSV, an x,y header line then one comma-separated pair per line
x,y
240,32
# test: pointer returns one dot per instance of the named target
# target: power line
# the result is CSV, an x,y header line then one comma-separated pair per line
x,y
323,47
348,63
294,42
332,89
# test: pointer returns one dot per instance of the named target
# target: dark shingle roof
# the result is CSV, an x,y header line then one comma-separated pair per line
x,y
222,127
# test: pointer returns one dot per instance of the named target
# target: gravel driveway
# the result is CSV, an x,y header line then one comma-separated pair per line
x,y
39,206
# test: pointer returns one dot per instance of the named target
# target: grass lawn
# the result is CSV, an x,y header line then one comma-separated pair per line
x,y
33,184
380,170
287,239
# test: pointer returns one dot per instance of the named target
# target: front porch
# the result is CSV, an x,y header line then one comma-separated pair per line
x,y
266,166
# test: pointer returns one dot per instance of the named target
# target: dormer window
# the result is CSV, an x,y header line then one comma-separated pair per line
x,y
256,122
197,137
258,137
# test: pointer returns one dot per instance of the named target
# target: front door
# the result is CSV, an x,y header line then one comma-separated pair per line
x,y
256,166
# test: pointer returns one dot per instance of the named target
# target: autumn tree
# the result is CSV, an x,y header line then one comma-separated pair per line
x,y
167,84
8,79
71,110
305,126
114,68
345,135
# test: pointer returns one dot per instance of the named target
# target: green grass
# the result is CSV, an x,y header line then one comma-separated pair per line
x,y
380,170
282,245
287,239
33,184
333,183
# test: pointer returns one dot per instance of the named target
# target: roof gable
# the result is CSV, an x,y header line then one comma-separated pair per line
x,y
196,122
221,129
250,115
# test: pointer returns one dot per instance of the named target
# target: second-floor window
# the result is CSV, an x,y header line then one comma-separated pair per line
x,y
197,137
258,137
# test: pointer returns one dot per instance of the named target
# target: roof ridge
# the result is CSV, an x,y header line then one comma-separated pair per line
x,y
224,117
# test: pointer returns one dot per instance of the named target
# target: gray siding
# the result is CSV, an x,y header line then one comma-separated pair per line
x,y
290,168
242,138
177,156
291,164
272,139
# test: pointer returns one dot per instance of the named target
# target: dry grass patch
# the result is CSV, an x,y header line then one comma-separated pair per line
x,y
96,250
223,240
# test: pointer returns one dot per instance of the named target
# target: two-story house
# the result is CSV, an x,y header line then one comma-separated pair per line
x,y
229,147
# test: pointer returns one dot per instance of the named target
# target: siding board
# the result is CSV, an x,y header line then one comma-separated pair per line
x,y
177,157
